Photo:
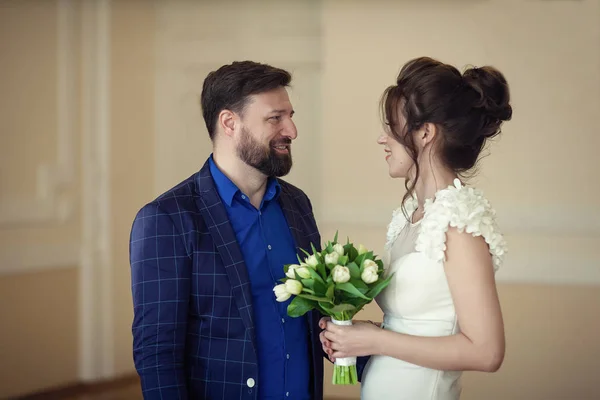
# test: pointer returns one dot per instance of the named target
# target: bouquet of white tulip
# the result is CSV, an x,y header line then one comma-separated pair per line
x,y
338,281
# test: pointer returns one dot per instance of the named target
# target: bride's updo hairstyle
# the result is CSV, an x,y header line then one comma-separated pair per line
x,y
467,109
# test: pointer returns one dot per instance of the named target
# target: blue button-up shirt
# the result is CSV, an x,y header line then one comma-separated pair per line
x,y
267,244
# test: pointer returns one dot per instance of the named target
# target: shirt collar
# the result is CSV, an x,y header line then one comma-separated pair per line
x,y
273,190
227,189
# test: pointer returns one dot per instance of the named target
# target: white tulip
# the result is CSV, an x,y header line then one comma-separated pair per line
x,y
290,271
281,293
332,258
312,261
293,286
303,271
361,249
338,248
340,274
369,263
369,274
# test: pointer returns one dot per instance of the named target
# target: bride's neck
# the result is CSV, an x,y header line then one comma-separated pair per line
x,y
431,179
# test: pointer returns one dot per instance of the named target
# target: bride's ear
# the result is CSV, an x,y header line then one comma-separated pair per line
x,y
426,134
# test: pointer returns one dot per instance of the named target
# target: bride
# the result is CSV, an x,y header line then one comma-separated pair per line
x,y
441,310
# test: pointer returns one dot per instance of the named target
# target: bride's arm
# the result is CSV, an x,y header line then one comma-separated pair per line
x,y
479,346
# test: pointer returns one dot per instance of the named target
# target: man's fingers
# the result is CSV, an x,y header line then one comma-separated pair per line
x,y
326,344
323,322
335,346
329,336
331,327
324,341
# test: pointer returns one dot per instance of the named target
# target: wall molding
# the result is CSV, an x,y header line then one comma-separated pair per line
x,y
513,219
49,203
551,268
303,51
96,307
536,264
189,44
40,257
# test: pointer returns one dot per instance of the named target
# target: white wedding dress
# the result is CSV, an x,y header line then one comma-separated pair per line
x,y
418,301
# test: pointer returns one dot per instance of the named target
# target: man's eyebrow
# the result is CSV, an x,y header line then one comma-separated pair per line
x,y
280,111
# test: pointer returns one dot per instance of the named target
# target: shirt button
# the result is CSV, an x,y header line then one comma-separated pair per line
x,y
250,382
283,320
287,394
244,197
288,356
269,247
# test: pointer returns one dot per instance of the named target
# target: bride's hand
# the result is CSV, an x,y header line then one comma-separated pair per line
x,y
326,344
359,339
377,324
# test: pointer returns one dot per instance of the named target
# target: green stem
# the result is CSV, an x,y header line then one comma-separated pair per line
x,y
344,375
354,375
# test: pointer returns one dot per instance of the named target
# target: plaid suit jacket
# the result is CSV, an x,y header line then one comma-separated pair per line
x,y
193,328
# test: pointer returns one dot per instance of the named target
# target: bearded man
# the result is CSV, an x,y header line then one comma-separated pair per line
x,y
206,255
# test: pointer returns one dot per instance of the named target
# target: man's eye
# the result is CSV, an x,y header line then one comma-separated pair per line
x,y
276,118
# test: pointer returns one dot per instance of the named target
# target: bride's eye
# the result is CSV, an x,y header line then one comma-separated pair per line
x,y
387,128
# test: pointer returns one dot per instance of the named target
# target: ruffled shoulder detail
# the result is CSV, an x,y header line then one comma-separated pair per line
x,y
466,209
399,221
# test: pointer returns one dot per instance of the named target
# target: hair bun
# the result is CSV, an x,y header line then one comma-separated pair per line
x,y
493,91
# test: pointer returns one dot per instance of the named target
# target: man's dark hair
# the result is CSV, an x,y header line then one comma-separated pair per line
x,y
229,87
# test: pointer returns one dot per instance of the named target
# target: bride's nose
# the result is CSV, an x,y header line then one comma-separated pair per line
x,y
382,139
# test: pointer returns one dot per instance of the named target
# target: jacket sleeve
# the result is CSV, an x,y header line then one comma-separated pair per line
x,y
361,363
160,278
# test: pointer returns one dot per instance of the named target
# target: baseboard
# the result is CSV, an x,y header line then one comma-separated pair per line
x,y
80,388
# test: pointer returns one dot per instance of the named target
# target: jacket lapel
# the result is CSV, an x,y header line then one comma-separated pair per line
x,y
216,218
291,215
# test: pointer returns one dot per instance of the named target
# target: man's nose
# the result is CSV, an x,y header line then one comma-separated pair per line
x,y
289,130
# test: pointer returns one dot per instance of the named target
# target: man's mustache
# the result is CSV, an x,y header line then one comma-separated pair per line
x,y
286,141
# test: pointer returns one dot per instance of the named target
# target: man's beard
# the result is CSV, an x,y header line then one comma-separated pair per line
x,y
264,158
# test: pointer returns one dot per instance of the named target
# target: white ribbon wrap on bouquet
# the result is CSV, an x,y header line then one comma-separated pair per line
x,y
344,361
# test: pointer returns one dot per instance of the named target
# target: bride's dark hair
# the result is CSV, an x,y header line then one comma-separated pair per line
x,y
467,108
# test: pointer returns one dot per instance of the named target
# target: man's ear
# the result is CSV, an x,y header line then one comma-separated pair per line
x,y
227,121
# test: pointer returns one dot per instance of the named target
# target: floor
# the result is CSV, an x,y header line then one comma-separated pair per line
x,y
127,388
130,392
124,389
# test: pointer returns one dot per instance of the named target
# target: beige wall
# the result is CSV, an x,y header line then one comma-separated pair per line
x,y
39,185
39,334
132,151
158,55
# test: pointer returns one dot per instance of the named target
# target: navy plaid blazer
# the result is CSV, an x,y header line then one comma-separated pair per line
x,y
193,328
